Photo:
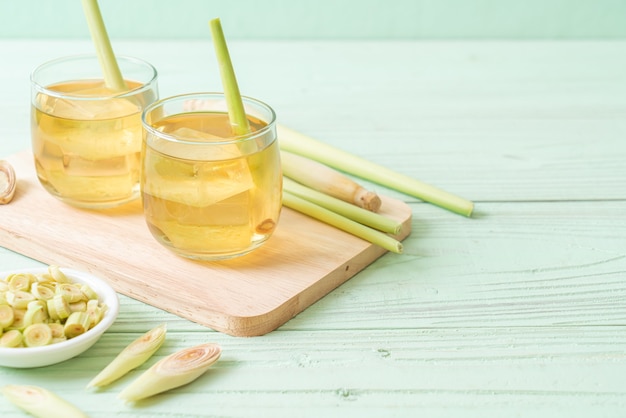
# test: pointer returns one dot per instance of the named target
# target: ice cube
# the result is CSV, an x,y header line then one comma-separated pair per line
x,y
199,184
90,109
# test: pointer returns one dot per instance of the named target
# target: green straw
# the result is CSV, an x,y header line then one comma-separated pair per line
x,y
236,112
112,76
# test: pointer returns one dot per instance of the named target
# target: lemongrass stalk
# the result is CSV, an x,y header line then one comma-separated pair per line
x,y
41,402
173,371
131,357
357,214
298,143
110,69
341,222
327,180
236,112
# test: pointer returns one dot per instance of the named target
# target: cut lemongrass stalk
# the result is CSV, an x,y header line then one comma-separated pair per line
x,y
173,371
8,182
357,214
131,357
236,112
37,335
298,143
11,338
322,178
40,402
111,70
341,222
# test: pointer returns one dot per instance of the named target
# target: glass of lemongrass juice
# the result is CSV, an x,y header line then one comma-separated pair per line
x,y
86,137
208,194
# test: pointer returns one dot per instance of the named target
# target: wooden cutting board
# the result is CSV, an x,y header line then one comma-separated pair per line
x,y
252,295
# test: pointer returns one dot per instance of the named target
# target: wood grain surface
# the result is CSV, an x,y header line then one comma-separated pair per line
x,y
250,295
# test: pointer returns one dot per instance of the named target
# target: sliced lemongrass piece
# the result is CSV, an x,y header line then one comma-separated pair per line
x,y
20,281
357,214
298,143
58,333
77,323
37,335
18,319
111,71
327,180
8,182
6,316
318,212
42,290
19,299
57,275
36,313
71,292
95,311
58,308
131,357
40,402
173,371
236,112
89,293
11,338
80,306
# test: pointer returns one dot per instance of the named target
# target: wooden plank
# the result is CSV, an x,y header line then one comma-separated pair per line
x,y
247,296
469,372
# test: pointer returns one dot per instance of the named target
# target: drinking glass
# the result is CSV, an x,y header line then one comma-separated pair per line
x,y
208,194
86,137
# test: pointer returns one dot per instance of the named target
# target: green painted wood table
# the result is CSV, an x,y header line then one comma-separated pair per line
x,y
518,311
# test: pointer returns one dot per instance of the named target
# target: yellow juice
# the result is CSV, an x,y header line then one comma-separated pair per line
x,y
210,196
87,149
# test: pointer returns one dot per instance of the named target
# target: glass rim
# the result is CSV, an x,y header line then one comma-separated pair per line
x,y
235,139
127,93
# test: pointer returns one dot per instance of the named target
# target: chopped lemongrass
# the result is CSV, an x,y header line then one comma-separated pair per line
x,y
57,275
6,316
8,182
360,215
58,308
42,290
40,402
36,313
19,299
37,335
71,292
11,338
111,71
318,212
77,323
173,371
20,281
328,180
304,145
131,357
236,112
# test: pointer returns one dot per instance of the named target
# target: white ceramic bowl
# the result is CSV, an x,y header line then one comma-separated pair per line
x,y
24,357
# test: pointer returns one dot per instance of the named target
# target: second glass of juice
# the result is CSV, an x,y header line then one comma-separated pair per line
x,y
208,194
86,136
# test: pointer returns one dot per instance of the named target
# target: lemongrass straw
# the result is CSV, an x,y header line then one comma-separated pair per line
x,y
110,69
236,112
304,145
